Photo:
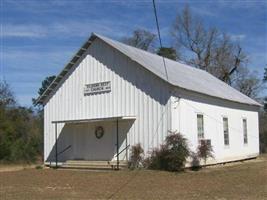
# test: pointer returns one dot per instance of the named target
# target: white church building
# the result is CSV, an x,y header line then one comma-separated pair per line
x,y
111,96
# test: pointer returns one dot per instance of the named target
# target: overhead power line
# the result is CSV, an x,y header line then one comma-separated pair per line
x,y
1,41
131,179
220,122
160,42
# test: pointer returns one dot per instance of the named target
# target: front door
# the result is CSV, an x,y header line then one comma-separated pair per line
x,y
87,146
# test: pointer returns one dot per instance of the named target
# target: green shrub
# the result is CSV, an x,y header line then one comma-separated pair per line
x,y
195,162
20,135
171,156
263,142
204,150
39,167
136,156
263,131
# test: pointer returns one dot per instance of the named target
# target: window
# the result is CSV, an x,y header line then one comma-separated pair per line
x,y
200,126
245,131
225,131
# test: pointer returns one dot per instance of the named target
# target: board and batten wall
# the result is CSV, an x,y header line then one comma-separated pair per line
x,y
186,106
134,92
155,104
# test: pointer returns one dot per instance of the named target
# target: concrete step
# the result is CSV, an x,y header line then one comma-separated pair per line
x,y
87,167
94,161
84,164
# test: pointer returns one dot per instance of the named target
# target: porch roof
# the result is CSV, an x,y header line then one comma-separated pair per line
x,y
95,119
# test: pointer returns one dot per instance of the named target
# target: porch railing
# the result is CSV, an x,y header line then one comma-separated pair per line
x,y
117,155
61,152
122,150
68,147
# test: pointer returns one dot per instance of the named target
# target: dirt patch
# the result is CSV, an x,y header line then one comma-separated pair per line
x,y
246,180
11,168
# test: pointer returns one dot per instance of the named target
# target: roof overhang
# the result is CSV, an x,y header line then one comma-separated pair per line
x,y
78,121
66,69
42,98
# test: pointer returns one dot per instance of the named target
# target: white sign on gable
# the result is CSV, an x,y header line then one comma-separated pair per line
x,y
95,88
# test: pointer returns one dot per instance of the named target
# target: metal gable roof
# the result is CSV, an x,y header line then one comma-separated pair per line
x,y
179,74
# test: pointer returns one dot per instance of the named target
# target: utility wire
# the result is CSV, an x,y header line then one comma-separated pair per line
x,y
220,122
163,113
1,41
160,42
132,178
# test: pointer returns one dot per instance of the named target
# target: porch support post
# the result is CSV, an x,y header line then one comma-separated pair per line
x,y
56,142
118,161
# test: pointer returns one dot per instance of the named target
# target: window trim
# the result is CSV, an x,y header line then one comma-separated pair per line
x,y
243,131
228,132
203,126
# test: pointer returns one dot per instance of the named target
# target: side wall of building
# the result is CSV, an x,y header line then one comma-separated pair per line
x,y
134,92
186,106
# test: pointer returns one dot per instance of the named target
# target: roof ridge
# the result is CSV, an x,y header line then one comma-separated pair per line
x,y
184,65
154,54
179,74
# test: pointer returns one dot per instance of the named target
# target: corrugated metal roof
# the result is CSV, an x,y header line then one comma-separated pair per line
x,y
179,74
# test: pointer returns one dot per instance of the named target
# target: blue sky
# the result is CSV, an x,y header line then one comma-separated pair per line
x,y
39,37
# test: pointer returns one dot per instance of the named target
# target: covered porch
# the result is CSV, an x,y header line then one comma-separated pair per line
x,y
91,142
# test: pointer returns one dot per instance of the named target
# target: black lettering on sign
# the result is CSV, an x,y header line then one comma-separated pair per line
x,y
96,88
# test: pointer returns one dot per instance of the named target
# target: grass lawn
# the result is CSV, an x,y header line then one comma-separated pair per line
x,y
247,180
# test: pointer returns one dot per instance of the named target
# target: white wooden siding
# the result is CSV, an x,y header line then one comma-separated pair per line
x,y
134,92
138,92
213,110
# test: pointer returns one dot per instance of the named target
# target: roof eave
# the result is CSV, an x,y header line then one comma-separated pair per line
x,y
68,66
257,104
42,98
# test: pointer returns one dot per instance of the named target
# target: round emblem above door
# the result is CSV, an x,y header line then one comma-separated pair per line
x,y
99,132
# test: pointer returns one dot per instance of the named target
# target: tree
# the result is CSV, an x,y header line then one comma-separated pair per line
x,y
265,75
208,48
248,83
141,39
265,104
20,135
6,95
167,52
265,80
214,51
45,84
263,131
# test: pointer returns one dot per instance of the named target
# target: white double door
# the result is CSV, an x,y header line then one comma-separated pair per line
x,y
86,146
